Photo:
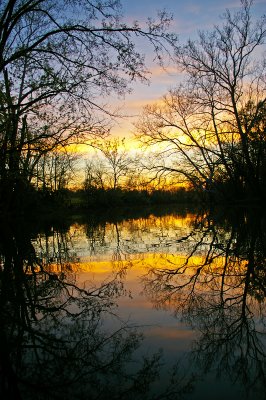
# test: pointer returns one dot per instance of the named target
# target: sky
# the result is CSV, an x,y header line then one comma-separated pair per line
x,y
189,16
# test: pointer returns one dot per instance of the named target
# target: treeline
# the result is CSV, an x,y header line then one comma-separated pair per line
x,y
109,198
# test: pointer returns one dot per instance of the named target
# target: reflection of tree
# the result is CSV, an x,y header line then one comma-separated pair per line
x,y
53,340
128,237
219,289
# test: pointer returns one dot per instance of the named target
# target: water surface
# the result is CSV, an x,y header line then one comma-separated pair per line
x,y
159,306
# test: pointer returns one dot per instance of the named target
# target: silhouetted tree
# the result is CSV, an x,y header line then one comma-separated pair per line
x,y
58,61
210,128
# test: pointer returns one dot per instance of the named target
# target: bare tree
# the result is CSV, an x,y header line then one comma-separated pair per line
x,y
95,174
57,59
116,159
54,171
205,127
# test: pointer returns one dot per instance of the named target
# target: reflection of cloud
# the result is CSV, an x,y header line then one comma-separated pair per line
x,y
173,333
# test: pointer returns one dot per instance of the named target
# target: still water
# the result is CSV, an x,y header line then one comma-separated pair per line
x,y
162,305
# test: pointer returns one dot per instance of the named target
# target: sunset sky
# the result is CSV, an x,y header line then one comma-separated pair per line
x,y
189,17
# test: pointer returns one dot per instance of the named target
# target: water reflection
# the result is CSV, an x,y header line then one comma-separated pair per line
x,y
218,287
209,270
54,343
62,336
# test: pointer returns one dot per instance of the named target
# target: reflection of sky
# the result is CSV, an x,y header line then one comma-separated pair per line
x,y
112,256
188,17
